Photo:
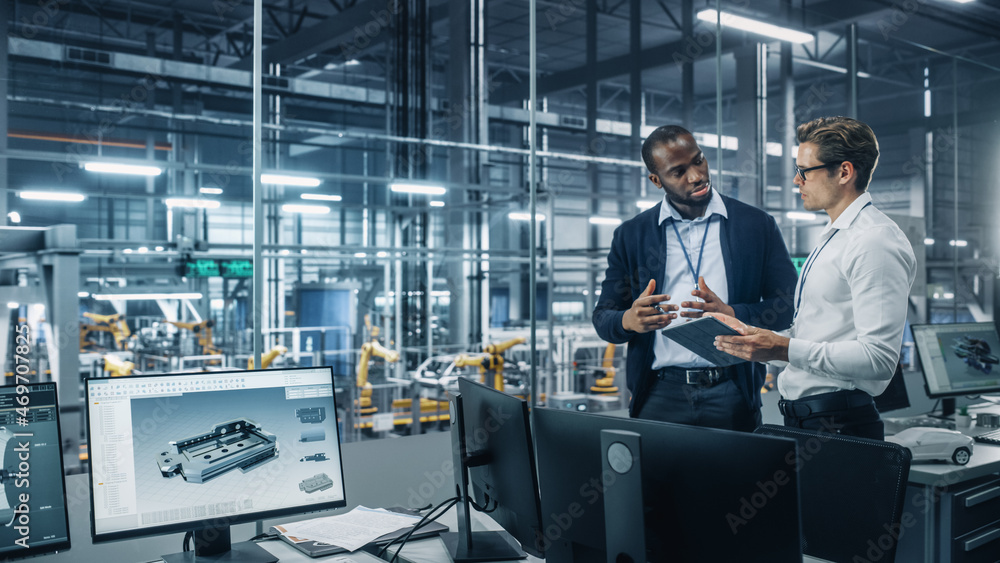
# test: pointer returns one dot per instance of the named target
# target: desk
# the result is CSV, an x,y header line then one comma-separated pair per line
x,y
432,550
936,502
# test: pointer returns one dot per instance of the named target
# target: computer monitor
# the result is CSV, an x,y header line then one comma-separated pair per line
x,y
707,495
33,515
959,359
502,473
894,397
203,451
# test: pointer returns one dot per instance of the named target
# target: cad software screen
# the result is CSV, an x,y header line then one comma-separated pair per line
x,y
33,518
171,449
959,358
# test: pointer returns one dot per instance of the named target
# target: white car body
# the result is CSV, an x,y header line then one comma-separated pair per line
x,y
935,443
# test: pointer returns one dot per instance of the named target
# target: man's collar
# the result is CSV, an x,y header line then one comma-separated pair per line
x,y
716,206
847,218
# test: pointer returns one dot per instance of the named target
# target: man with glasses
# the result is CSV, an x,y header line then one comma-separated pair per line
x,y
851,300
699,251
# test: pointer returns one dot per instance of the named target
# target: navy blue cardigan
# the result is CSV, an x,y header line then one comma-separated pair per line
x,y
761,285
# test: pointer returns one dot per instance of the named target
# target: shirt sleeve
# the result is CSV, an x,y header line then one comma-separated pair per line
x,y
880,269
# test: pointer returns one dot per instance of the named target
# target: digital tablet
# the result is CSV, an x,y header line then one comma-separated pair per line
x,y
699,337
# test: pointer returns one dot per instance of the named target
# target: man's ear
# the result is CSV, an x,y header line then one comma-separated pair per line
x,y
848,175
655,180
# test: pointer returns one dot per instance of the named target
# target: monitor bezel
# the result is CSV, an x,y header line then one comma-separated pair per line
x,y
923,370
230,520
62,545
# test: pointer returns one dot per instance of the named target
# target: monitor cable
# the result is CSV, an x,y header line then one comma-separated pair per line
x,y
423,521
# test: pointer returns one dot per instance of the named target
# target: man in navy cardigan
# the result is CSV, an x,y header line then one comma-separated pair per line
x,y
701,240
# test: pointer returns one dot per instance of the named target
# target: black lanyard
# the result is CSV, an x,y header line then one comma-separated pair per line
x,y
807,267
701,254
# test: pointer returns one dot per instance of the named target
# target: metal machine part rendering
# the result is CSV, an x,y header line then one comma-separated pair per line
x,y
316,457
313,435
235,444
318,482
313,415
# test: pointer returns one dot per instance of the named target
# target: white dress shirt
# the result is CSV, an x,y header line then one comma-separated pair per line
x,y
679,282
851,303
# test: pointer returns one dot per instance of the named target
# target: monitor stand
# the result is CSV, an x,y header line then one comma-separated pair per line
x,y
625,533
212,545
947,409
466,545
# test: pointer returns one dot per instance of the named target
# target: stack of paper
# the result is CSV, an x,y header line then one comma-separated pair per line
x,y
350,531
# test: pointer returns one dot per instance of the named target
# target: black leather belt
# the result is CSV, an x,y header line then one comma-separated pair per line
x,y
702,377
824,402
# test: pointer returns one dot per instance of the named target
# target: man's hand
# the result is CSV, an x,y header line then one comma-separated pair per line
x,y
754,344
710,302
647,314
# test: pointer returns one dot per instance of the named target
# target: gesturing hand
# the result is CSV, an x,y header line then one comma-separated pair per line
x,y
754,344
710,302
646,313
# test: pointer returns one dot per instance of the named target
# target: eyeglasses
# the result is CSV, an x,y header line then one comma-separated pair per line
x,y
801,172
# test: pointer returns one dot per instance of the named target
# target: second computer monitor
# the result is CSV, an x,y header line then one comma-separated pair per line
x,y
195,451
504,484
708,495
959,358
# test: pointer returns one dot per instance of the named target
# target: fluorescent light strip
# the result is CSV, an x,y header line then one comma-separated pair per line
x,y
82,294
211,191
929,241
436,203
282,180
605,221
519,216
53,196
417,189
144,296
115,168
958,242
801,215
645,204
321,197
188,202
14,216
308,209
758,27
12,305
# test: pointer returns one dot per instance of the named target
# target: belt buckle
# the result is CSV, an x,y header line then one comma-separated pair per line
x,y
701,376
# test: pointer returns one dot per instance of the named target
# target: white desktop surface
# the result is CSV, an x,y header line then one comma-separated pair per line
x,y
432,550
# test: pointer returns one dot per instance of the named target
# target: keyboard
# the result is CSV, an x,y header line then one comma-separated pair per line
x,y
992,437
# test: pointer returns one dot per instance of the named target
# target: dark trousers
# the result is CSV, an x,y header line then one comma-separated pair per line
x,y
861,421
719,406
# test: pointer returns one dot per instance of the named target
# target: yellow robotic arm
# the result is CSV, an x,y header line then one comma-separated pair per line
x,y
369,349
269,357
115,324
204,332
116,367
606,384
503,346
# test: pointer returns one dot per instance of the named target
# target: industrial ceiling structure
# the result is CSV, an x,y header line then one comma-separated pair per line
x,y
366,97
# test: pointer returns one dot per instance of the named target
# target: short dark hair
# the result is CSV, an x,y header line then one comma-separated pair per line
x,y
843,139
660,136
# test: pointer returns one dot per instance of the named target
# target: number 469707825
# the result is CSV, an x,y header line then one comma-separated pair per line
x,y
22,349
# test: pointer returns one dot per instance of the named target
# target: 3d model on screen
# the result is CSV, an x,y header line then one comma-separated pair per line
x,y
8,496
313,415
317,457
313,435
975,353
236,444
319,482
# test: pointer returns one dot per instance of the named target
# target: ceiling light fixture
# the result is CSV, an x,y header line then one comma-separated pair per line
x,y
605,221
758,27
116,168
282,180
800,215
424,189
14,216
437,203
321,197
211,191
53,196
645,204
521,216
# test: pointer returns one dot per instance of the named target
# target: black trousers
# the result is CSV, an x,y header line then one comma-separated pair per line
x,y
719,406
861,421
